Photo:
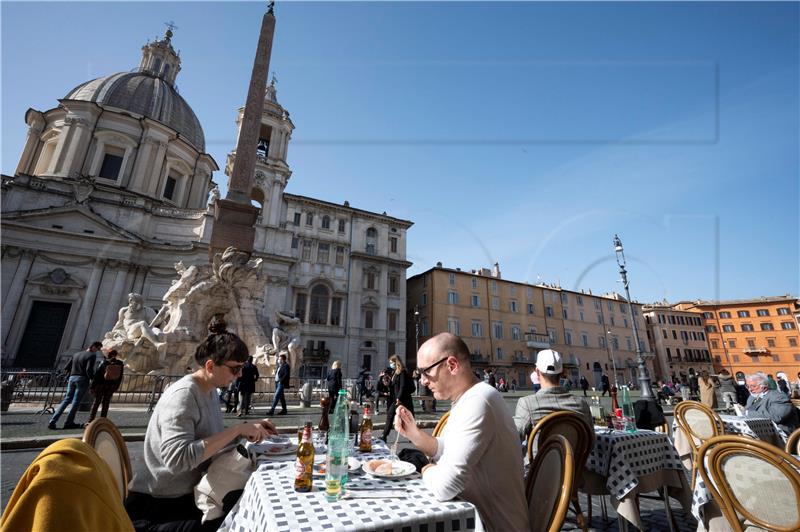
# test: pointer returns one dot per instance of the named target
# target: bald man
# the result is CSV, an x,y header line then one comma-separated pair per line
x,y
477,456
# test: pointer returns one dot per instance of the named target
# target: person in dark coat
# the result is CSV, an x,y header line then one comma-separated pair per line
x,y
606,384
384,392
105,382
584,385
247,386
363,377
282,375
334,380
400,391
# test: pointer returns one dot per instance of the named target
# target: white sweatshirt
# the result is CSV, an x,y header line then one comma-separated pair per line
x,y
478,459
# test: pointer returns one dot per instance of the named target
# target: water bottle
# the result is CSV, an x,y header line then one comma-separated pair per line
x,y
627,410
338,443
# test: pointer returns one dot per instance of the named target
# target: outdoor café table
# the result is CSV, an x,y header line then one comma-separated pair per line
x,y
626,464
269,503
760,428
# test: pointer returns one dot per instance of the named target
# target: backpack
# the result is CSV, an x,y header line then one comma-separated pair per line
x,y
113,372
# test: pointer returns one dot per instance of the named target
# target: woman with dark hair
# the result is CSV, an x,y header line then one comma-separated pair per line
x,y
185,431
334,380
401,389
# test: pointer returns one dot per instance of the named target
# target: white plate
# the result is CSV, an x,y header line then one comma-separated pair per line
x,y
353,465
400,469
291,449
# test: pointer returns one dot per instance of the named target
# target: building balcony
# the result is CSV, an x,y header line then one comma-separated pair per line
x,y
537,341
524,359
316,355
755,351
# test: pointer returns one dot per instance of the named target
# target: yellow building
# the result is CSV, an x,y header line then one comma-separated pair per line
x,y
505,323
749,335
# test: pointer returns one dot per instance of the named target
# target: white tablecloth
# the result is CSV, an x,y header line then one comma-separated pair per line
x,y
269,503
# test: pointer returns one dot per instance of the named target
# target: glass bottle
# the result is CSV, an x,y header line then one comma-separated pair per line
x,y
338,443
304,465
627,410
365,432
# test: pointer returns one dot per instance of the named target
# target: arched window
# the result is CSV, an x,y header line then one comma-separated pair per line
x,y
318,310
326,222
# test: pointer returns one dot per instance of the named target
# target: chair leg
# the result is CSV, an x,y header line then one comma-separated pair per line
x,y
603,508
579,519
673,525
589,505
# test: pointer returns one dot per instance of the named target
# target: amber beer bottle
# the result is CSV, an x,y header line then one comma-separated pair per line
x,y
365,432
304,465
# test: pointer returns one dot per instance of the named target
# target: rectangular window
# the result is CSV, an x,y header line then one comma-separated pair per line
x,y
515,334
475,300
767,327
724,314
783,311
339,256
296,218
295,242
549,311
669,355
336,311
369,318
424,327
735,358
530,292
300,306
309,219
564,299
474,283
452,298
747,327
601,342
580,315
787,325
169,187
600,319
776,358
623,309
530,308
369,280
393,244
792,342
477,329
565,313
711,328
394,284
580,300
751,343
763,312
424,299
306,250
499,352
451,278
391,320
585,339
496,303
797,357
512,306
568,337
664,332
453,326
770,342
743,313
553,335
494,287
323,253
732,343
512,291
341,226
625,322
708,315
497,327
680,318
112,163
727,328
630,344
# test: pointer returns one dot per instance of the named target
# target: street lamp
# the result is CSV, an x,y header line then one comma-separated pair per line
x,y
611,356
644,378
416,326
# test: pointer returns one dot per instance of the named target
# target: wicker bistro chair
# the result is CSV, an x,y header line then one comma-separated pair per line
x,y
580,436
102,435
792,441
549,485
754,483
700,424
437,430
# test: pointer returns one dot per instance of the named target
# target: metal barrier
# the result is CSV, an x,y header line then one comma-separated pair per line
x,y
49,387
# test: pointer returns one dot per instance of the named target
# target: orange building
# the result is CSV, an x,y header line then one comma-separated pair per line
x,y
750,335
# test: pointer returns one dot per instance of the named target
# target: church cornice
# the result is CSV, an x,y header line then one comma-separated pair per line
x,y
381,259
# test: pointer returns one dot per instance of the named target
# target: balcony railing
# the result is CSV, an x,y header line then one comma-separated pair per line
x,y
316,354
537,341
755,351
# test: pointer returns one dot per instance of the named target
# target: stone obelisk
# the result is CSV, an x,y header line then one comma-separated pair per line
x,y
235,216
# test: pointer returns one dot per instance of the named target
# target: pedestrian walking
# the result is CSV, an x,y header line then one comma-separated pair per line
x,y
81,370
282,375
247,386
400,393
606,384
584,385
363,377
334,381
105,382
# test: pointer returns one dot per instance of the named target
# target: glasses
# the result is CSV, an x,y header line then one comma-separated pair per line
x,y
235,369
425,372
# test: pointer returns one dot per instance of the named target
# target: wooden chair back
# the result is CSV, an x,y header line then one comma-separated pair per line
x,y
572,426
792,441
437,430
104,437
549,486
754,483
699,423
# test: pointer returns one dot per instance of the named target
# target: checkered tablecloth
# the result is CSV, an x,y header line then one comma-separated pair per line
x,y
761,428
269,503
623,457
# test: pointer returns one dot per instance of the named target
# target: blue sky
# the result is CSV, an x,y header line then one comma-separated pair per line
x,y
522,133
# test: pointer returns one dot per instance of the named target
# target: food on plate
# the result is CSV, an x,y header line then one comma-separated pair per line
x,y
381,467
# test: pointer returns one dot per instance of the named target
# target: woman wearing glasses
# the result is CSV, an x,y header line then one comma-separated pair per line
x,y
185,431
401,390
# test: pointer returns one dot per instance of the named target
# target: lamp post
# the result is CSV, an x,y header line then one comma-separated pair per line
x,y
613,362
416,326
644,378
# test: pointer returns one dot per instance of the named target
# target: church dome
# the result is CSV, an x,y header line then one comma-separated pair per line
x,y
145,94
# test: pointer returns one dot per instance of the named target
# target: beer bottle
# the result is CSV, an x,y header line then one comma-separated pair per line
x,y
304,465
365,432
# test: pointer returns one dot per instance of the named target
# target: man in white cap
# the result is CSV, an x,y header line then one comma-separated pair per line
x,y
552,397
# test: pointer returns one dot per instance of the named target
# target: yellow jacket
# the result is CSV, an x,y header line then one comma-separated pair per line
x,y
67,487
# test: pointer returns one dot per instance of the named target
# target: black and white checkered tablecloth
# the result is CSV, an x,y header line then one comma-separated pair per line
x,y
761,428
269,503
623,457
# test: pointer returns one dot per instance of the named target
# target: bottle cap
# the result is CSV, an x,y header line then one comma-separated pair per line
x,y
618,412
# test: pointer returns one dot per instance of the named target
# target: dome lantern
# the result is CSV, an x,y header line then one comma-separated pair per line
x,y
160,59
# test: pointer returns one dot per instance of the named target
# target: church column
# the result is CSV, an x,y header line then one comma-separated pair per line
x,y
154,173
110,317
11,302
141,165
31,143
85,312
80,132
275,197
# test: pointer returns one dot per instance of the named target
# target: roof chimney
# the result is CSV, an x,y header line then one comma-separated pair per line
x,y
496,270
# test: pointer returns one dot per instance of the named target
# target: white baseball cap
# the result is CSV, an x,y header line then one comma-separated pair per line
x,y
548,362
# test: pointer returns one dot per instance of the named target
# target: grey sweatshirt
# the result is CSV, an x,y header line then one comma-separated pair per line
x,y
173,445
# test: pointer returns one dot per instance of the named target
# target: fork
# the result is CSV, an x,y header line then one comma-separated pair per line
x,y
393,452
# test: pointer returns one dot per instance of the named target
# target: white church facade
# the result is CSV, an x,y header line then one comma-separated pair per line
x,y
112,188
